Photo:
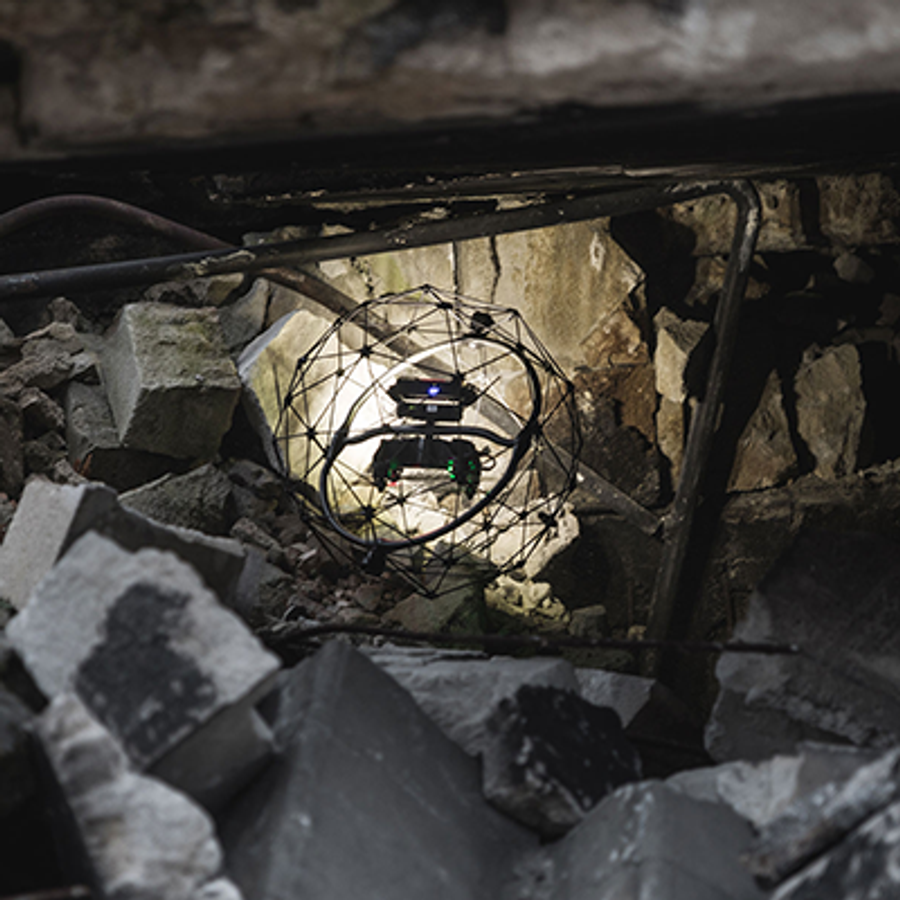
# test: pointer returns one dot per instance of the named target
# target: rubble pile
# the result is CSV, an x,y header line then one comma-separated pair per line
x,y
154,744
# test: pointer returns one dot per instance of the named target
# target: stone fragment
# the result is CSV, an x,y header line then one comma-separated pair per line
x,y
12,464
760,792
764,456
41,413
94,446
244,319
199,499
50,518
852,269
859,209
169,672
460,690
836,596
367,799
460,607
171,385
675,357
831,407
199,292
550,756
143,840
49,357
821,819
42,455
589,621
647,841
713,219
863,865
670,431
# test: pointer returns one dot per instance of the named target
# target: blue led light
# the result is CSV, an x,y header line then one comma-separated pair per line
x,y
434,390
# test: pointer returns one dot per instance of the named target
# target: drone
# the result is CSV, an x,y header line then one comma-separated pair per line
x,y
430,431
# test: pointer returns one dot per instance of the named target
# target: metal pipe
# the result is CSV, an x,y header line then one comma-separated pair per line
x,y
181,267
705,421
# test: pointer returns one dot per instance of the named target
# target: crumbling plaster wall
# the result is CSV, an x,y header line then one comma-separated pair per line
x,y
86,72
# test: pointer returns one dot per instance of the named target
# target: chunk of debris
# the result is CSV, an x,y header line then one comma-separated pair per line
x,y
50,518
821,819
143,840
646,840
94,448
676,345
835,595
171,673
367,799
550,756
171,384
460,690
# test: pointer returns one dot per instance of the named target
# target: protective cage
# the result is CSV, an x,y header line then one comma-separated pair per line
x,y
435,434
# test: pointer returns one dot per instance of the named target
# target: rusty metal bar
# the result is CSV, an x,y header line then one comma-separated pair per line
x,y
705,421
182,267
275,638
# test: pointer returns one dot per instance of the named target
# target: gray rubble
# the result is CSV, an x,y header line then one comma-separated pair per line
x,y
171,384
645,841
837,596
821,819
550,756
460,690
144,840
51,517
368,798
156,658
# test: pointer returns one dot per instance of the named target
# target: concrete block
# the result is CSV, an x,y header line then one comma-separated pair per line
x,y
863,865
367,799
244,319
550,756
837,596
647,841
460,690
143,840
51,517
823,818
156,658
199,499
760,792
94,446
172,386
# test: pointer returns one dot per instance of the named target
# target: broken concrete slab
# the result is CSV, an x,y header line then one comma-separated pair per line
x,y
837,596
821,819
153,654
831,407
548,757
50,518
675,357
863,865
143,840
94,447
244,319
646,841
199,499
760,792
765,455
460,690
367,798
171,384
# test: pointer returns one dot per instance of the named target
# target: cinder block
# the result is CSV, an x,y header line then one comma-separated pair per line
x,y
142,840
172,674
51,517
367,799
171,384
